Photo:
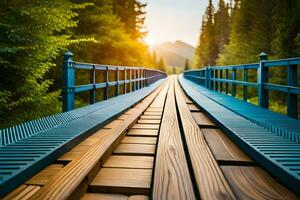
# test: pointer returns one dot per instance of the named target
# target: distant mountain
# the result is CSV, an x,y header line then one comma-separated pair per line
x,y
175,53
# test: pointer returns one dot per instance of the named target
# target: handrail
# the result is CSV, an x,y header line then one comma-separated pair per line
x,y
135,77
212,78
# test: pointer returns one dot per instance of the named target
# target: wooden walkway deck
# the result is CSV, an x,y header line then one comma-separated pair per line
x,y
164,147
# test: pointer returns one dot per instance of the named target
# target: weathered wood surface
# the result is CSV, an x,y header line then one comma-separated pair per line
x,y
250,182
135,149
134,162
107,196
121,180
171,177
223,149
142,132
146,126
45,175
211,182
66,182
148,121
139,140
23,192
203,121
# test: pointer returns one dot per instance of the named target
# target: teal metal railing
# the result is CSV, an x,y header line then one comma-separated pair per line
x,y
213,77
133,77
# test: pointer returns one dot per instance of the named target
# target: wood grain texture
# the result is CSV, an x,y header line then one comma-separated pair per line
x,y
103,196
142,132
249,182
223,149
65,183
148,121
23,192
45,175
146,126
139,140
114,123
150,117
193,108
135,149
125,181
210,180
138,197
153,113
202,120
150,109
171,177
134,162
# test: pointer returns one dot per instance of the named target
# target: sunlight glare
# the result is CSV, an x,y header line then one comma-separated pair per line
x,y
149,40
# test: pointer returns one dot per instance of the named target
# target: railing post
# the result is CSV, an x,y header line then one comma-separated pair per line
x,y
245,88
106,89
221,83
68,93
93,81
208,76
138,77
216,74
226,84
262,77
130,81
233,85
292,101
118,79
125,80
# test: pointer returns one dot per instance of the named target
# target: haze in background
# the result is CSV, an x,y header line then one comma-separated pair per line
x,y
172,20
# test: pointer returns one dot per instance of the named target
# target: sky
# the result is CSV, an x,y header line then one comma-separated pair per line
x,y
171,20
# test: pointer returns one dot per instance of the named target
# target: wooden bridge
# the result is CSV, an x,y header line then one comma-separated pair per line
x,y
159,137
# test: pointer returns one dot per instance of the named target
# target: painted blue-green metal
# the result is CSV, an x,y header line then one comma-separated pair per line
x,y
68,92
263,86
272,139
27,148
70,89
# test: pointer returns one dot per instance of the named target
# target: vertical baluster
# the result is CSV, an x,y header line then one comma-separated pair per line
x,y
226,84
245,88
262,77
233,85
68,93
221,83
138,77
125,80
134,79
93,81
106,89
130,79
118,79
216,81
292,101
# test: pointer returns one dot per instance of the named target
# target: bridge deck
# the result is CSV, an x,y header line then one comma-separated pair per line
x,y
165,147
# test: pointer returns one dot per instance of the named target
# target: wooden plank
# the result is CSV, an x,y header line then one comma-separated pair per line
x,y
99,196
45,175
135,149
23,192
84,146
150,117
202,120
139,140
73,176
211,183
149,121
171,177
113,124
124,181
141,132
123,116
193,108
146,126
138,197
150,109
153,113
249,182
223,149
135,162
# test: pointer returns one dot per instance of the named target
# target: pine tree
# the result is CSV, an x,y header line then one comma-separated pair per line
x,y
161,65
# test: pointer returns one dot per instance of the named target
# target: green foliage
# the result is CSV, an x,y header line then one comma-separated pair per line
x,y
161,65
32,34
186,65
